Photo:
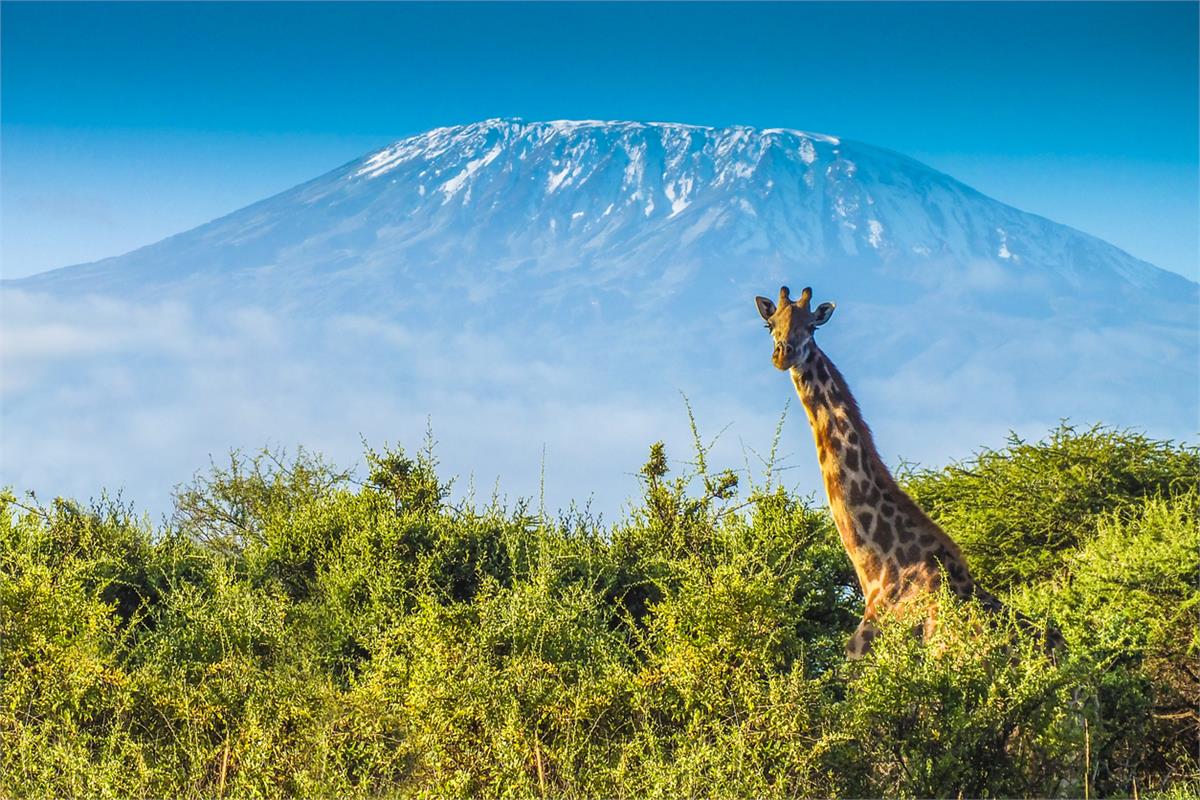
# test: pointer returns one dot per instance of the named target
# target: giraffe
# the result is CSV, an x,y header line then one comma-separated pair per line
x,y
898,553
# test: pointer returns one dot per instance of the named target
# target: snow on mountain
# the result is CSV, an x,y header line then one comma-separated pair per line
x,y
558,283
616,198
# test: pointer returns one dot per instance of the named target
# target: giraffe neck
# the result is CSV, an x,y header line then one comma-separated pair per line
x,y
881,528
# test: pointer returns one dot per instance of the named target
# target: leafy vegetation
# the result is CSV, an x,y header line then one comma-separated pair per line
x,y
291,632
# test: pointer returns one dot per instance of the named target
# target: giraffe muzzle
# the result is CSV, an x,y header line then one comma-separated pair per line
x,y
783,355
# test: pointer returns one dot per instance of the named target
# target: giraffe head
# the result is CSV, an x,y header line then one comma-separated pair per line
x,y
791,324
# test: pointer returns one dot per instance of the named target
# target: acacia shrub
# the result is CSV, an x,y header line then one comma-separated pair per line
x,y
292,632
1018,511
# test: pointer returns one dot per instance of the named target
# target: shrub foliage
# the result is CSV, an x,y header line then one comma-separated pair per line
x,y
292,632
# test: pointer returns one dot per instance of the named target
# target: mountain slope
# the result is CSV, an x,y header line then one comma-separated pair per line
x,y
619,198
558,283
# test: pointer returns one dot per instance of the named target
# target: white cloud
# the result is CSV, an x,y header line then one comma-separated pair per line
x,y
107,394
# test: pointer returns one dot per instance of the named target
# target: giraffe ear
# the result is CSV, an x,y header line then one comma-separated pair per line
x,y
765,307
822,314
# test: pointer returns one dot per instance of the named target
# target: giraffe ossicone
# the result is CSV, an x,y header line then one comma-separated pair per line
x,y
899,554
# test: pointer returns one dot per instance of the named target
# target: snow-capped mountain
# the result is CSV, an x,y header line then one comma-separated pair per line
x,y
502,199
532,283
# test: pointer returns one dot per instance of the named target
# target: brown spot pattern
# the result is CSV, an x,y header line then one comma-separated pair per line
x,y
883,535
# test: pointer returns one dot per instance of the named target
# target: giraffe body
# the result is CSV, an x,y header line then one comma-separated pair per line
x,y
899,554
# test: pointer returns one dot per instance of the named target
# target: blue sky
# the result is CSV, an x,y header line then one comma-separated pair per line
x,y
121,124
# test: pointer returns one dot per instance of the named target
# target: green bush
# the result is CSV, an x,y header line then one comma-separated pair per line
x,y
978,709
292,632
1018,512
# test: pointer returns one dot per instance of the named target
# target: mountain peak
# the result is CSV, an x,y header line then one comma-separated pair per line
x,y
506,199
486,133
